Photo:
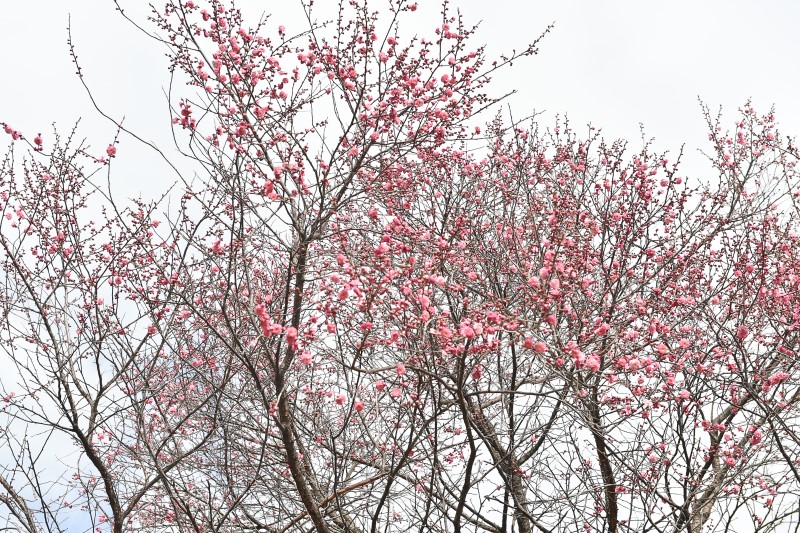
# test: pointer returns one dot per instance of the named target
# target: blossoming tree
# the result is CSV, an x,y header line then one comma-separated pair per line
x,y
378,310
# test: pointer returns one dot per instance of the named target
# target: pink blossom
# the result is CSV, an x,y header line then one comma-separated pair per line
x,y
477,372
396,392
466,331
400,369
778,377
528,342
217,247
291,335
742,332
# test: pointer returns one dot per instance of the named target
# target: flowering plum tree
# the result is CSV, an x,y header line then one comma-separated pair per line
x,y
368,314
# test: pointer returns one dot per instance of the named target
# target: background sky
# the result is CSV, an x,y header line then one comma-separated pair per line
x,y
615,64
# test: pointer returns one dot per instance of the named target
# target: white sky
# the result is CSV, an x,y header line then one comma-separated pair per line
x,y
614,63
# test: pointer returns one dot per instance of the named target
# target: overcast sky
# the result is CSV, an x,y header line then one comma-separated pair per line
x,y
615,64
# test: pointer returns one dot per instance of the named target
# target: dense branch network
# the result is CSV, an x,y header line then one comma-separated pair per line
x,y
376,310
